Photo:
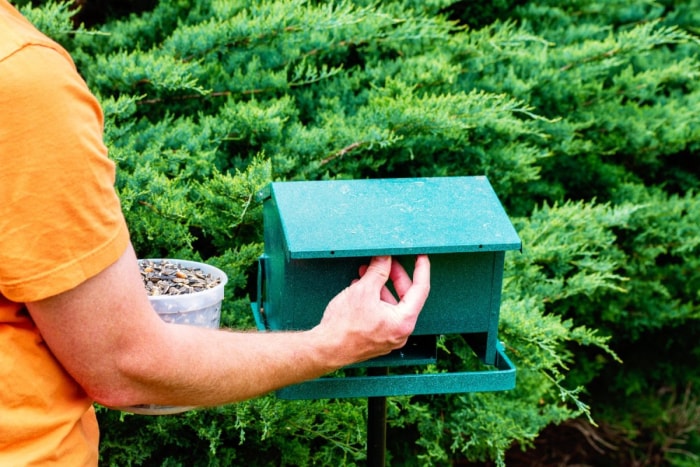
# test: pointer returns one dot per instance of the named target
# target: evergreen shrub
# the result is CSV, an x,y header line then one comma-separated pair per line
x,y
585,116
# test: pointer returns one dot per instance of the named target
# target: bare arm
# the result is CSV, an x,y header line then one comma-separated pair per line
x,y
107,336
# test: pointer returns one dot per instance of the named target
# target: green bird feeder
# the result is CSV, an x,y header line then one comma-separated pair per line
x,y
318,233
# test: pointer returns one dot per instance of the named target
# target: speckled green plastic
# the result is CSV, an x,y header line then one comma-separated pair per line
x,y
318,233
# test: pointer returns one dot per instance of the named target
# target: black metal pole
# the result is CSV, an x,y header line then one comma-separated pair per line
x,y
376,426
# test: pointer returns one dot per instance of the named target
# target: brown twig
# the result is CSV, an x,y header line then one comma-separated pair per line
x,y
342,152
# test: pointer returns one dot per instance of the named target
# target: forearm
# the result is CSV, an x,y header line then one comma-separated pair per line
x,y
173,370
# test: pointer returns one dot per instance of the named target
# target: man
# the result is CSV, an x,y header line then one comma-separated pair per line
x,y
76,325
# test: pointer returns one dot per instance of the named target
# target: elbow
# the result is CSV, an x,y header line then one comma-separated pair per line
x,y
121,383
112,391
111,397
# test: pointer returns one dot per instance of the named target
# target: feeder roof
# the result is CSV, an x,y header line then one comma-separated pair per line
x,y
343,218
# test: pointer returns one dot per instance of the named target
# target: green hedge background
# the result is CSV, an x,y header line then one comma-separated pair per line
x,y
585,116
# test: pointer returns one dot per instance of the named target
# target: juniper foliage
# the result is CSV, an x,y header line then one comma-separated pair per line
x,y
585,117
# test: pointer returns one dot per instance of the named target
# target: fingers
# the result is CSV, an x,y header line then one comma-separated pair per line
x,y
413,292
369,315
415,296
385,294
400,278
377,273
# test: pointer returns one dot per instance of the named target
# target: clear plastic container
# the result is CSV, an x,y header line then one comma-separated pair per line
x,y
194,309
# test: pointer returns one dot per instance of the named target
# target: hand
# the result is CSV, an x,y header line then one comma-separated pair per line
x,y
365,320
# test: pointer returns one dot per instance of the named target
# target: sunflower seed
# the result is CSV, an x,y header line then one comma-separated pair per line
x,y
169,278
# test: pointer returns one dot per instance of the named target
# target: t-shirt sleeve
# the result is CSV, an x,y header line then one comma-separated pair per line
x,y
60,218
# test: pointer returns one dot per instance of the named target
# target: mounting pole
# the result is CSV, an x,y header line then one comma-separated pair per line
x,y
376,425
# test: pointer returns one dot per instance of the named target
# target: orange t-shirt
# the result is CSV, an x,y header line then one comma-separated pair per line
x,y
60,224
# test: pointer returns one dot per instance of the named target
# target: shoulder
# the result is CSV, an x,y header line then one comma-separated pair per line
x,y
39,83
40,90
48,110
29,60
18,34
37,70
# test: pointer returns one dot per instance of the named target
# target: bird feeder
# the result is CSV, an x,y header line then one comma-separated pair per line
x,y
318,233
